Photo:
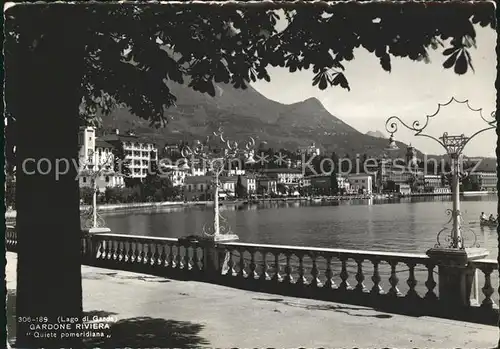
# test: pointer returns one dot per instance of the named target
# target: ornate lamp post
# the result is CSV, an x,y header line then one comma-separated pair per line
x,y
216,156
94,223
454,145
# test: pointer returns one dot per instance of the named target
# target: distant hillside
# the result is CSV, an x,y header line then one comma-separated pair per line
x,y
245,113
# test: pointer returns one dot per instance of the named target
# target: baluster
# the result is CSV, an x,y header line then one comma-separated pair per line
x,y
142,253
155,256
163,255
344,275
102,249
315,282
394,280
230,270
265,268
201,266
412,281
187,259
301,280
116,250
121,251
376,289
253,266
129,254
109,249
329,283
178,258
171,256
195,259
288,278
148,256
242,273
430,283
360,277
277,277
487,288
137,252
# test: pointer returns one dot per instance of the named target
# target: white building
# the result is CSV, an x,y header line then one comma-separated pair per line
x,y
360,183
309,150
96,155
250,183
176,174
287,176
138,153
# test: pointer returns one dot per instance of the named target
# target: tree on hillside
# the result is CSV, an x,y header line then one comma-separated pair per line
x,y
66,62
334,184
240,189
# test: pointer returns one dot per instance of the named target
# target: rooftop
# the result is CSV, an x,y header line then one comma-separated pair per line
x,y
153,311
281,170
99,143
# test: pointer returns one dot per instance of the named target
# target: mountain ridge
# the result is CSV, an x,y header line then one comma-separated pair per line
x,y
244,113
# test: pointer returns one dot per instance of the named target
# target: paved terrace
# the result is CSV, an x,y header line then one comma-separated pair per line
x,y
158,312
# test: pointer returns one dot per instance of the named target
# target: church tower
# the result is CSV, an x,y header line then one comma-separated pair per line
x,y
411,157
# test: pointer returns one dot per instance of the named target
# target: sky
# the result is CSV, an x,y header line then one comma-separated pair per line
x,y
410,91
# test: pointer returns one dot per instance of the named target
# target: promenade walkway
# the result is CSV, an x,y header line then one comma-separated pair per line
x,y
157,312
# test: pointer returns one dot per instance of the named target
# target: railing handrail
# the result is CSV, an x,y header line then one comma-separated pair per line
x,y
420,256
112,235
485,261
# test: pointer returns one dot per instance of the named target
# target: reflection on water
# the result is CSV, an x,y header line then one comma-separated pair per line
x,y
400,225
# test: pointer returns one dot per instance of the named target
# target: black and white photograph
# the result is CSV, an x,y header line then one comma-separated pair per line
x,y
258,174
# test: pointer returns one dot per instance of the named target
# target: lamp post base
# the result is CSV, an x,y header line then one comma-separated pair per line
x,y
215,257
101,230
456,274
456,256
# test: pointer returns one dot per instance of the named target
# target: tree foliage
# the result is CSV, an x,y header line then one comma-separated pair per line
x,y
240,189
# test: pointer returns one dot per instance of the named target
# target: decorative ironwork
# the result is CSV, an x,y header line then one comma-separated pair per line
x,y
87,219
454,145
451,239
91,218
216,151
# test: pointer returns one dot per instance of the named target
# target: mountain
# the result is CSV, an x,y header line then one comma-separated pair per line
x,y
244,113
376,134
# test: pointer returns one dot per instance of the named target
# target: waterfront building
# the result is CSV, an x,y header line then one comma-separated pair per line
x,y
267,185
360,183
172,151
322,183
176,174
403,189
198,188
228,186
236,172
432,181
249,181
197,168
286,176
138,152
305,182
486,181
96,154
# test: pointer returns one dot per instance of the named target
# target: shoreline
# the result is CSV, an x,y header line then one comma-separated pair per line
x,y
140,205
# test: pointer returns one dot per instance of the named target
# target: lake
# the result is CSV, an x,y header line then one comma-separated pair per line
x,y
399,225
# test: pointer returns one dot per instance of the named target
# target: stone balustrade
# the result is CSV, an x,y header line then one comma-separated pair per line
x,y
161,256
401,281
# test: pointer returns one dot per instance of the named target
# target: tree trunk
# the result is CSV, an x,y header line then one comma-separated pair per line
x,y
47,97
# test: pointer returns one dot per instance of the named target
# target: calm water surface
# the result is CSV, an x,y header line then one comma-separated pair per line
x,y
403,225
